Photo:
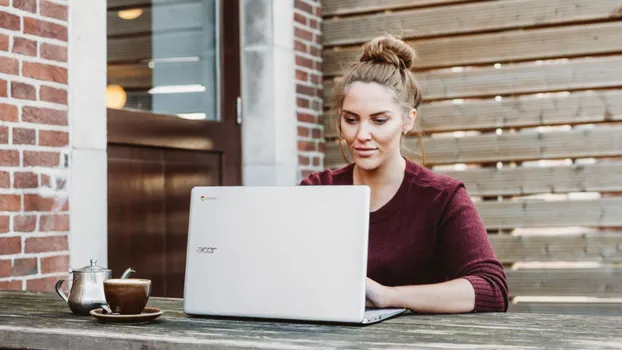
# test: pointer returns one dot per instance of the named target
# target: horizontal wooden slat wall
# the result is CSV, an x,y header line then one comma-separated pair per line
x,y
523,103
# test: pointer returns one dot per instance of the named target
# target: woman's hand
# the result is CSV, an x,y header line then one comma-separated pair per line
x,y
377,295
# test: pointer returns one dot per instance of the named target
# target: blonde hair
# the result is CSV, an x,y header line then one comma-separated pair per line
x,y
385,60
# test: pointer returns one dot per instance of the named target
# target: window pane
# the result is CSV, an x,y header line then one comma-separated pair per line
x,y
163,57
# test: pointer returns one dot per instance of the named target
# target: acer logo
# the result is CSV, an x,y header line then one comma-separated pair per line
x,y
208,250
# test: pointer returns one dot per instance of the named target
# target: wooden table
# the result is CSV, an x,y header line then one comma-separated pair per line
x,y
43,321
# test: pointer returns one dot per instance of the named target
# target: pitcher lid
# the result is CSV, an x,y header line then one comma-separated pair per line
x,y
92,268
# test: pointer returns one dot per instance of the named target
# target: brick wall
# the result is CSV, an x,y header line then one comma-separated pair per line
x,y
307,44
34,139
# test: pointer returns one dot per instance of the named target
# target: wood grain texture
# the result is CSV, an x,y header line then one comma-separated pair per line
x,y
524,78
597,282
604,212
348,7
490,48
528,145
576,308
465,18
176,16
513,112
43,321
519,181
603,247
174,44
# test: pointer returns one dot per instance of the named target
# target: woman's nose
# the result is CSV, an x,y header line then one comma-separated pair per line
x,y
363,134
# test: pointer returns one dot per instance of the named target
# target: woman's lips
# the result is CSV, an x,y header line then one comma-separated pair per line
x,y
364,151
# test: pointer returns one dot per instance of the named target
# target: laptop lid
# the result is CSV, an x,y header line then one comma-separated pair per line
x,y
296,252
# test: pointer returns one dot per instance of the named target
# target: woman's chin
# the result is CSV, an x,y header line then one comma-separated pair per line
x,y
367,163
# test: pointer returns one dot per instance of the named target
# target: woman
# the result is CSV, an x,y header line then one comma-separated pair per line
x,y
428,248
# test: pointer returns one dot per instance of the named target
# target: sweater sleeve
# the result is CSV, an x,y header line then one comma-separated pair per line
x,y
468,253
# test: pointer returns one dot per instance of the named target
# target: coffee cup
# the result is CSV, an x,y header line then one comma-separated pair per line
x,y
127,296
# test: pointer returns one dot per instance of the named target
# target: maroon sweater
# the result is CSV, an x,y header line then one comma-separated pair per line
x,y
429,232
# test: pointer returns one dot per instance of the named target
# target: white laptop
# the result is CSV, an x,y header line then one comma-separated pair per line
x,y
289,253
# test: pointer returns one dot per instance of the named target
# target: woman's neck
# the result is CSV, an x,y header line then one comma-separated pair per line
x,y
392,172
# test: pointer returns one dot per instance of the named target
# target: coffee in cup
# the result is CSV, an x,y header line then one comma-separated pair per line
x,y
127,296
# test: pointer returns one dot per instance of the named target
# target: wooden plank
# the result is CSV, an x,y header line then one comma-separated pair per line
x,y
349,7
532,180
528,145
597,282
159,18
140,76
517,45
524,78
603,247
568,308
604,212
465,18
167,45
514,112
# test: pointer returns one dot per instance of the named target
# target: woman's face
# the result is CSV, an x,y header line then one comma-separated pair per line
x,y
372,124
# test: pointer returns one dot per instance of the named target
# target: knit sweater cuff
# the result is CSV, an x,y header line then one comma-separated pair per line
x,y
487,297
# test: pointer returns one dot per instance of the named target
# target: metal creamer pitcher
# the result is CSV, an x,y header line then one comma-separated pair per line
x,y
87,290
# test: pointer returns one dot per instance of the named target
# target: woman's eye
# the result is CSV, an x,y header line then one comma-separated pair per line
x,y
380,120
349,120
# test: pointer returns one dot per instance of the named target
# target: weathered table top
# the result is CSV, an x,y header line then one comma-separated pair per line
x,y
43,321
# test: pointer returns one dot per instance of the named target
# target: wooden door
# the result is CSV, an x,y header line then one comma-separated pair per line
x,y
163,143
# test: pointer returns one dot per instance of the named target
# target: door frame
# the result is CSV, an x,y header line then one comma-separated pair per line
x,y
223,136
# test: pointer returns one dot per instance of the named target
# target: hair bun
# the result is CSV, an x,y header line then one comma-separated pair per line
x,y
389,49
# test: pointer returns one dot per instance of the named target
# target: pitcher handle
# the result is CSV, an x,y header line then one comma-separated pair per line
x,y
60,292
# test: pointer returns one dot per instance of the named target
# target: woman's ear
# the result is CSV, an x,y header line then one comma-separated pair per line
x,y
409,124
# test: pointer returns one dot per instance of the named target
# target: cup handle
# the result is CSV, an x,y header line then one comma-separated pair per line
x,y
60,293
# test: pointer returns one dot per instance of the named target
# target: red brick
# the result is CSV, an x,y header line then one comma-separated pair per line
x,y
317,66
26,5
316,105
316,78
53,138
303,160
302,102
10,245
5,182
3,88
22,136
306,146
44,72
303,6
46,244
316,133
44,116
24,46
10,21
304,62
316,161
45,284
305,118
318,12
302,76
300,18
50,9
54,52
45,29
23,91
5,223
4,134
25,267
9,157
299,46
4,42
303,34
6,268
303,132
5,2
11,285
41,158
10,202
315,51
8,112
314,24
9,65
305,90
25,180
25,223
50,94
58,263
33,202
54,223
45,180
